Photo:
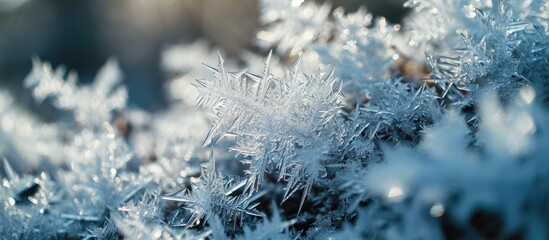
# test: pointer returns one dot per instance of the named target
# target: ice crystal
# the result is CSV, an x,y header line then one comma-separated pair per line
x,y
142,219
283,124
430,178
494,57
292,25
429,129
212,194
23,136
108,231
273,228
25,200
184,62
361,54
175,150
401,108
269,228
91,104
96,181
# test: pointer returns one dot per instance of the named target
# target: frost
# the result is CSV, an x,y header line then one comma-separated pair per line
x,y
398,111
360,54
25,199
108,231
446,175
269,228
494,54
292,25
91,104
273,228
352,127
211,194
183,58
23,136
96,181
274,120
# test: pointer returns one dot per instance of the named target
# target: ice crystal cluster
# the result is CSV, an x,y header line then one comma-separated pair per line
x,y
339,126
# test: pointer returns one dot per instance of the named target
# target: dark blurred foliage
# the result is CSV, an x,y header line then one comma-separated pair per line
x,y
82,35
392,10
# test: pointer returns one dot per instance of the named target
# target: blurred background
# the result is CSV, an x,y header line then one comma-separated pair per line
x,y
82,35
